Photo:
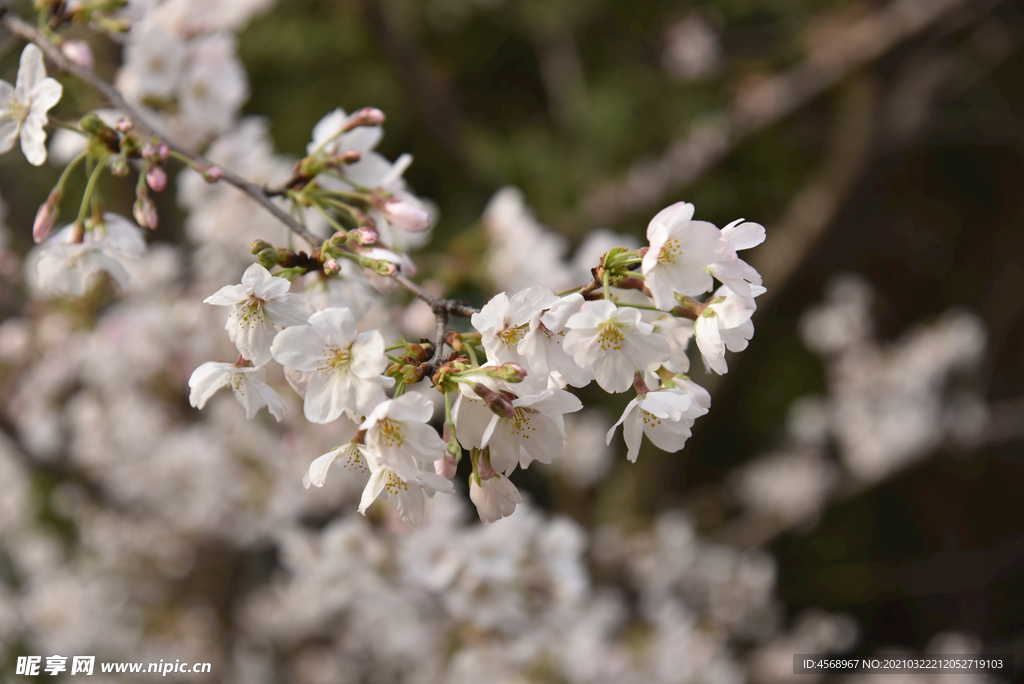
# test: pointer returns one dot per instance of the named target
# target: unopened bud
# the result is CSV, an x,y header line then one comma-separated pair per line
x,y
78,52
119,167
332,267
145,212
124,124
267,257
258,245
365,236
483,466
445,469
499,403
513,372
45,217
347,157
212,174
156,178
367,116
385,268
163,151
406,216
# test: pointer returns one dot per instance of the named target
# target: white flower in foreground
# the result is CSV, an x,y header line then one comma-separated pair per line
x,y
542,345
398,434
345,366
680,250
502,322
737,274
259,303
249,385
330,137
23,107
534,430
351,458
665,416
494,498
66,266
614,342
406,491
725,324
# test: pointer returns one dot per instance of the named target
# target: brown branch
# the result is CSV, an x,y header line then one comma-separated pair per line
x,y
761,105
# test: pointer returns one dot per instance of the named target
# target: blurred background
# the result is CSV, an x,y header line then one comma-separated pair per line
x,y
870,438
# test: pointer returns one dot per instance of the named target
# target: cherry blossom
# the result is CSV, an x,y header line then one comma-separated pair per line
x,y
502,320
345,366
248,384
614,342
725,323
23,107
66,264
665,416
680,251
495,498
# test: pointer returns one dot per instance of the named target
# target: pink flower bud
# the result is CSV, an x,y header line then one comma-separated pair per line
x,y
484,467
513,372
119,167
213,174
406,216
332,267
78,52
45,217
156,178
365,236
367,116
124,124
499,403
145,212
445,468
163,151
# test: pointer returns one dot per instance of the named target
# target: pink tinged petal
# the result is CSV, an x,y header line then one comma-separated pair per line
x,y
367,393
408,500
491,317
622,418
206,381
33,139
122,236
326,397
423,441
257,277
744,235
45,95
334,327
246,394
700,396
275,405
288,309
31,70
545,440
504,448
297,347
736,339
318,469
227,295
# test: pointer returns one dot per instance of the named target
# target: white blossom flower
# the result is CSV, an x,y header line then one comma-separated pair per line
x,y
502,322
352,458
153,60
399,436
542,345
249,385
677,332
23,107
680,250
535,430
737,274
665,416
494,498
329,139
66,266
398,208
259,303
346,366
406,491
614,342
725,324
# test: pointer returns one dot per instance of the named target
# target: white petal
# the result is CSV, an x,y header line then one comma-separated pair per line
x,y
31,71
